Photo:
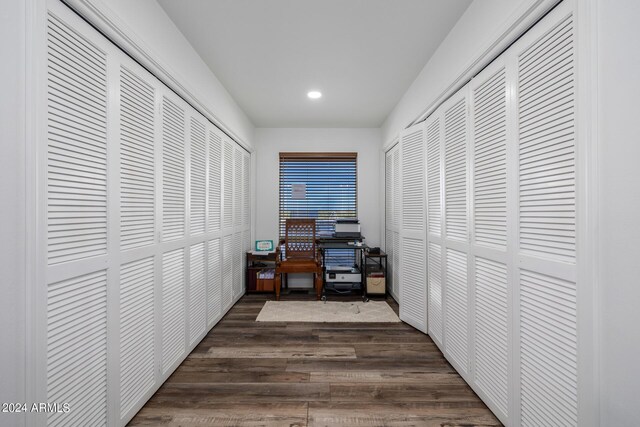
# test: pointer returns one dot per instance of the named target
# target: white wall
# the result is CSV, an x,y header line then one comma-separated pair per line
x,y
270,142
478,28
619,155
12,211
146,20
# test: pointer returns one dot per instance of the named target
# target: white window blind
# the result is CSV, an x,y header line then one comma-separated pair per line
x,y
318,185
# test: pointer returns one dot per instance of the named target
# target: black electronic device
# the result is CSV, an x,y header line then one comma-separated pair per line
x,y
374,251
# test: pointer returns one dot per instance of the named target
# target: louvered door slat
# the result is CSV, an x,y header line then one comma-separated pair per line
x,y
173,170
214,281
173,308
490,161
434,213
457,308
227,220
77,349
137,332
197,293
215,179
77,146
456,171
547,146
491,331
137,170
198,177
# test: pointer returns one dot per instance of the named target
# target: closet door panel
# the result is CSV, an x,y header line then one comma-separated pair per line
x,y
137,160
76,145
434,205
392,213
197,292
491,341
77,349
490,159
546,88
214,165
547,218
227,219
246,190
237,265
434,142
214,281
173,308
198,176
137,333
435,300
457,309
413,278
238,186
455,176
227,271
173,169
492,233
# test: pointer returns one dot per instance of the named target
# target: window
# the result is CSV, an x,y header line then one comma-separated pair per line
x,y
318,185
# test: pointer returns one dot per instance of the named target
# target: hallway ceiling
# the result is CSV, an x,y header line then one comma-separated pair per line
x,y
361,54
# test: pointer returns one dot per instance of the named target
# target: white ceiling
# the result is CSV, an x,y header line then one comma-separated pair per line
x,y
361,54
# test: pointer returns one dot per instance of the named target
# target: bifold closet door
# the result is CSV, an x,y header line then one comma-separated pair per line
x,y
413,244
454,251
392,211
134,219
502,225
491,195
546,222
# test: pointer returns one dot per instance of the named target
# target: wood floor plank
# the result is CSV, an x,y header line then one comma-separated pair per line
x,y
241,414
282,352
385,377
386,414
245,373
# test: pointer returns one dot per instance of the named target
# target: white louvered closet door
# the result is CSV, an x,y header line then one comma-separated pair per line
x,y
455,229
546,221
491,112
392,231
395,224
413,262
433,147
74,217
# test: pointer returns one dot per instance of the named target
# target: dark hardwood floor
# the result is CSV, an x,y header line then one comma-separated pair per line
x,y
313,374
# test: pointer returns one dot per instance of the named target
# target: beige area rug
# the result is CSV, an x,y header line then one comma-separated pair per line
x,y
331,311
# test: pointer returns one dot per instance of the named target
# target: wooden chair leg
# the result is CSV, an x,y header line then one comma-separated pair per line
x,y
277,286
318,277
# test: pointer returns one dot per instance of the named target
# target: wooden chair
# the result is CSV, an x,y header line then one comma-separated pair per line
x,y
301,253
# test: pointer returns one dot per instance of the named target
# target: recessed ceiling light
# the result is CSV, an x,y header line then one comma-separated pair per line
x,y
314,94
